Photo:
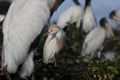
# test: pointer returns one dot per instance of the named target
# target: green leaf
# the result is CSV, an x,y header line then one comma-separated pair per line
x,y
113,69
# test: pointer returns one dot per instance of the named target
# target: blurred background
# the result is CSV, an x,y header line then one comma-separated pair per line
x,y
100,7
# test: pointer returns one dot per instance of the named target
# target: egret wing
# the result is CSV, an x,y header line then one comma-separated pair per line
x,y
49,50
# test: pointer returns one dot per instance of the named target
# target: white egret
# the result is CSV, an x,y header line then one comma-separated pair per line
x,y
53,44
95,39
73,14
89,19
22,27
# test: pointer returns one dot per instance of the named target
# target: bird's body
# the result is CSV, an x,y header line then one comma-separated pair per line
x,y
24,22
53,43
28,66
88,19
108,55
13,30
94,40
73,14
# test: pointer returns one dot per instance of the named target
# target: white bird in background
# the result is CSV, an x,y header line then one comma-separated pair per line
x,y
72,15
4,5
108,55
95,39
53,44
115,15
88,19
23,24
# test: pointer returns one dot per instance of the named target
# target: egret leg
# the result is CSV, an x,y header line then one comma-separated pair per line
x,y
55,63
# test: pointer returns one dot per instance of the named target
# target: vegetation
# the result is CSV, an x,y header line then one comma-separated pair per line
x,y
70,63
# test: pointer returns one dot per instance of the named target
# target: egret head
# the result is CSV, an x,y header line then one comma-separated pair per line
x,y
104,23
113,16
53,29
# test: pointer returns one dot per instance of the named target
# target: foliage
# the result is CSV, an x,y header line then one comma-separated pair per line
x,y
70,63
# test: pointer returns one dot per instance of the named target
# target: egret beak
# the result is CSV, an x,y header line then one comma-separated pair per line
x,y
47,33
108,27
57,4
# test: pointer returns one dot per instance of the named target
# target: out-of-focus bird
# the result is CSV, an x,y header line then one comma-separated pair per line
x,y
95,39
115,12
73,14
53,44
88,19
22,28
4,6
115,15
108,55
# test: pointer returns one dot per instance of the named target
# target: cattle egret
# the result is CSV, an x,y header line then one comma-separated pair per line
x,y
53,44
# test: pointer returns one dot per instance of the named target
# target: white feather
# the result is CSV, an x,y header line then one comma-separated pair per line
x,y
28,66
24,22
93,42
88,20
51,48
109,55
73,15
